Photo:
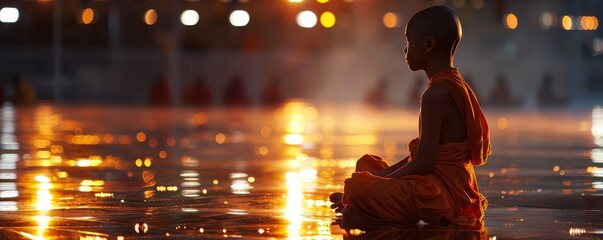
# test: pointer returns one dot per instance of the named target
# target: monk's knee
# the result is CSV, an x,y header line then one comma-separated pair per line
x,y
370,163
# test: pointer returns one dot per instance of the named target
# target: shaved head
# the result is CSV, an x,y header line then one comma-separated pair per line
x,y
440,23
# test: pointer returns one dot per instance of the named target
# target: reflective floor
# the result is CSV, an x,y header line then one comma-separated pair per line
x,y
111,172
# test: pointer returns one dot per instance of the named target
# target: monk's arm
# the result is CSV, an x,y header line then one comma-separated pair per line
x,y
393,168
433,104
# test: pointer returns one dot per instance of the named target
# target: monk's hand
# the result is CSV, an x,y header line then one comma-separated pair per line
x,y
335,199
361,174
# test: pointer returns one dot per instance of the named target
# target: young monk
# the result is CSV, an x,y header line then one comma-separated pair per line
x,y
437,181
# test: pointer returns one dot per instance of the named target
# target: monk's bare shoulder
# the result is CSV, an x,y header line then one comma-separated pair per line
x,y
436,96
440,111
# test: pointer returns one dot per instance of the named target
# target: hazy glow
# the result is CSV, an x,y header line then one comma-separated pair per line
x,y
85,140
240,186
296,121
391,20
596,155
327,19
9,15
41,143
294,139
458,3
546,20
294,209
43,221
199,119
360,140
44,201
322,1
511,21
502,123
150,17
91,185
597,172
239,18
477,4
306,19
91,162
8,140
42,179
8,206
189,18
8,176
597,46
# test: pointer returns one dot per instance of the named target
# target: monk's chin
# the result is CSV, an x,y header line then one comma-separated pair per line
x,y
413,68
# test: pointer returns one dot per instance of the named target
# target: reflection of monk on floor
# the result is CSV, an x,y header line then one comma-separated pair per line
x,y
437,182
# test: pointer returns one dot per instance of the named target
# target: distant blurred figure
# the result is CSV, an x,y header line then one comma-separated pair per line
x,y
547,97
415,92
377,96
198,94
272,93
25,95
160,92
500,96
234,93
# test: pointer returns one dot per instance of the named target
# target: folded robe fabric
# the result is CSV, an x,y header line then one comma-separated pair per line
x,y
450,191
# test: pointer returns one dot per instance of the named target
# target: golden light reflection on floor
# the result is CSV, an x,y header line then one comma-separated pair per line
x,y
43,204
265,174
597,125
293,210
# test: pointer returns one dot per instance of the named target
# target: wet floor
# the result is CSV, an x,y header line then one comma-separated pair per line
x,y
115,172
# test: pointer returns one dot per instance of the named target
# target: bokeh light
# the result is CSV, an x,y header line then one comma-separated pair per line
x,y
220,138
458,3
9,15
502,123
189,18
566,22
391,20
327,19
150,17
322,1
511,21
306,19
477,4
239,18
589,23
87,16
547,20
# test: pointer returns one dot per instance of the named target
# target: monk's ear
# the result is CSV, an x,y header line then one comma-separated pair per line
x,y
430,43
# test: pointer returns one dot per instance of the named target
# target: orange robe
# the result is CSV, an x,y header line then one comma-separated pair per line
x,y
449,191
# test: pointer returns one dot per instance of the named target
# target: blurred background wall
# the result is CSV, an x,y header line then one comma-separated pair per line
x,y
115,51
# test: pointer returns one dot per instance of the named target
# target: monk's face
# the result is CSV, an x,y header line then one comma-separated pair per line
x,y
415,52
